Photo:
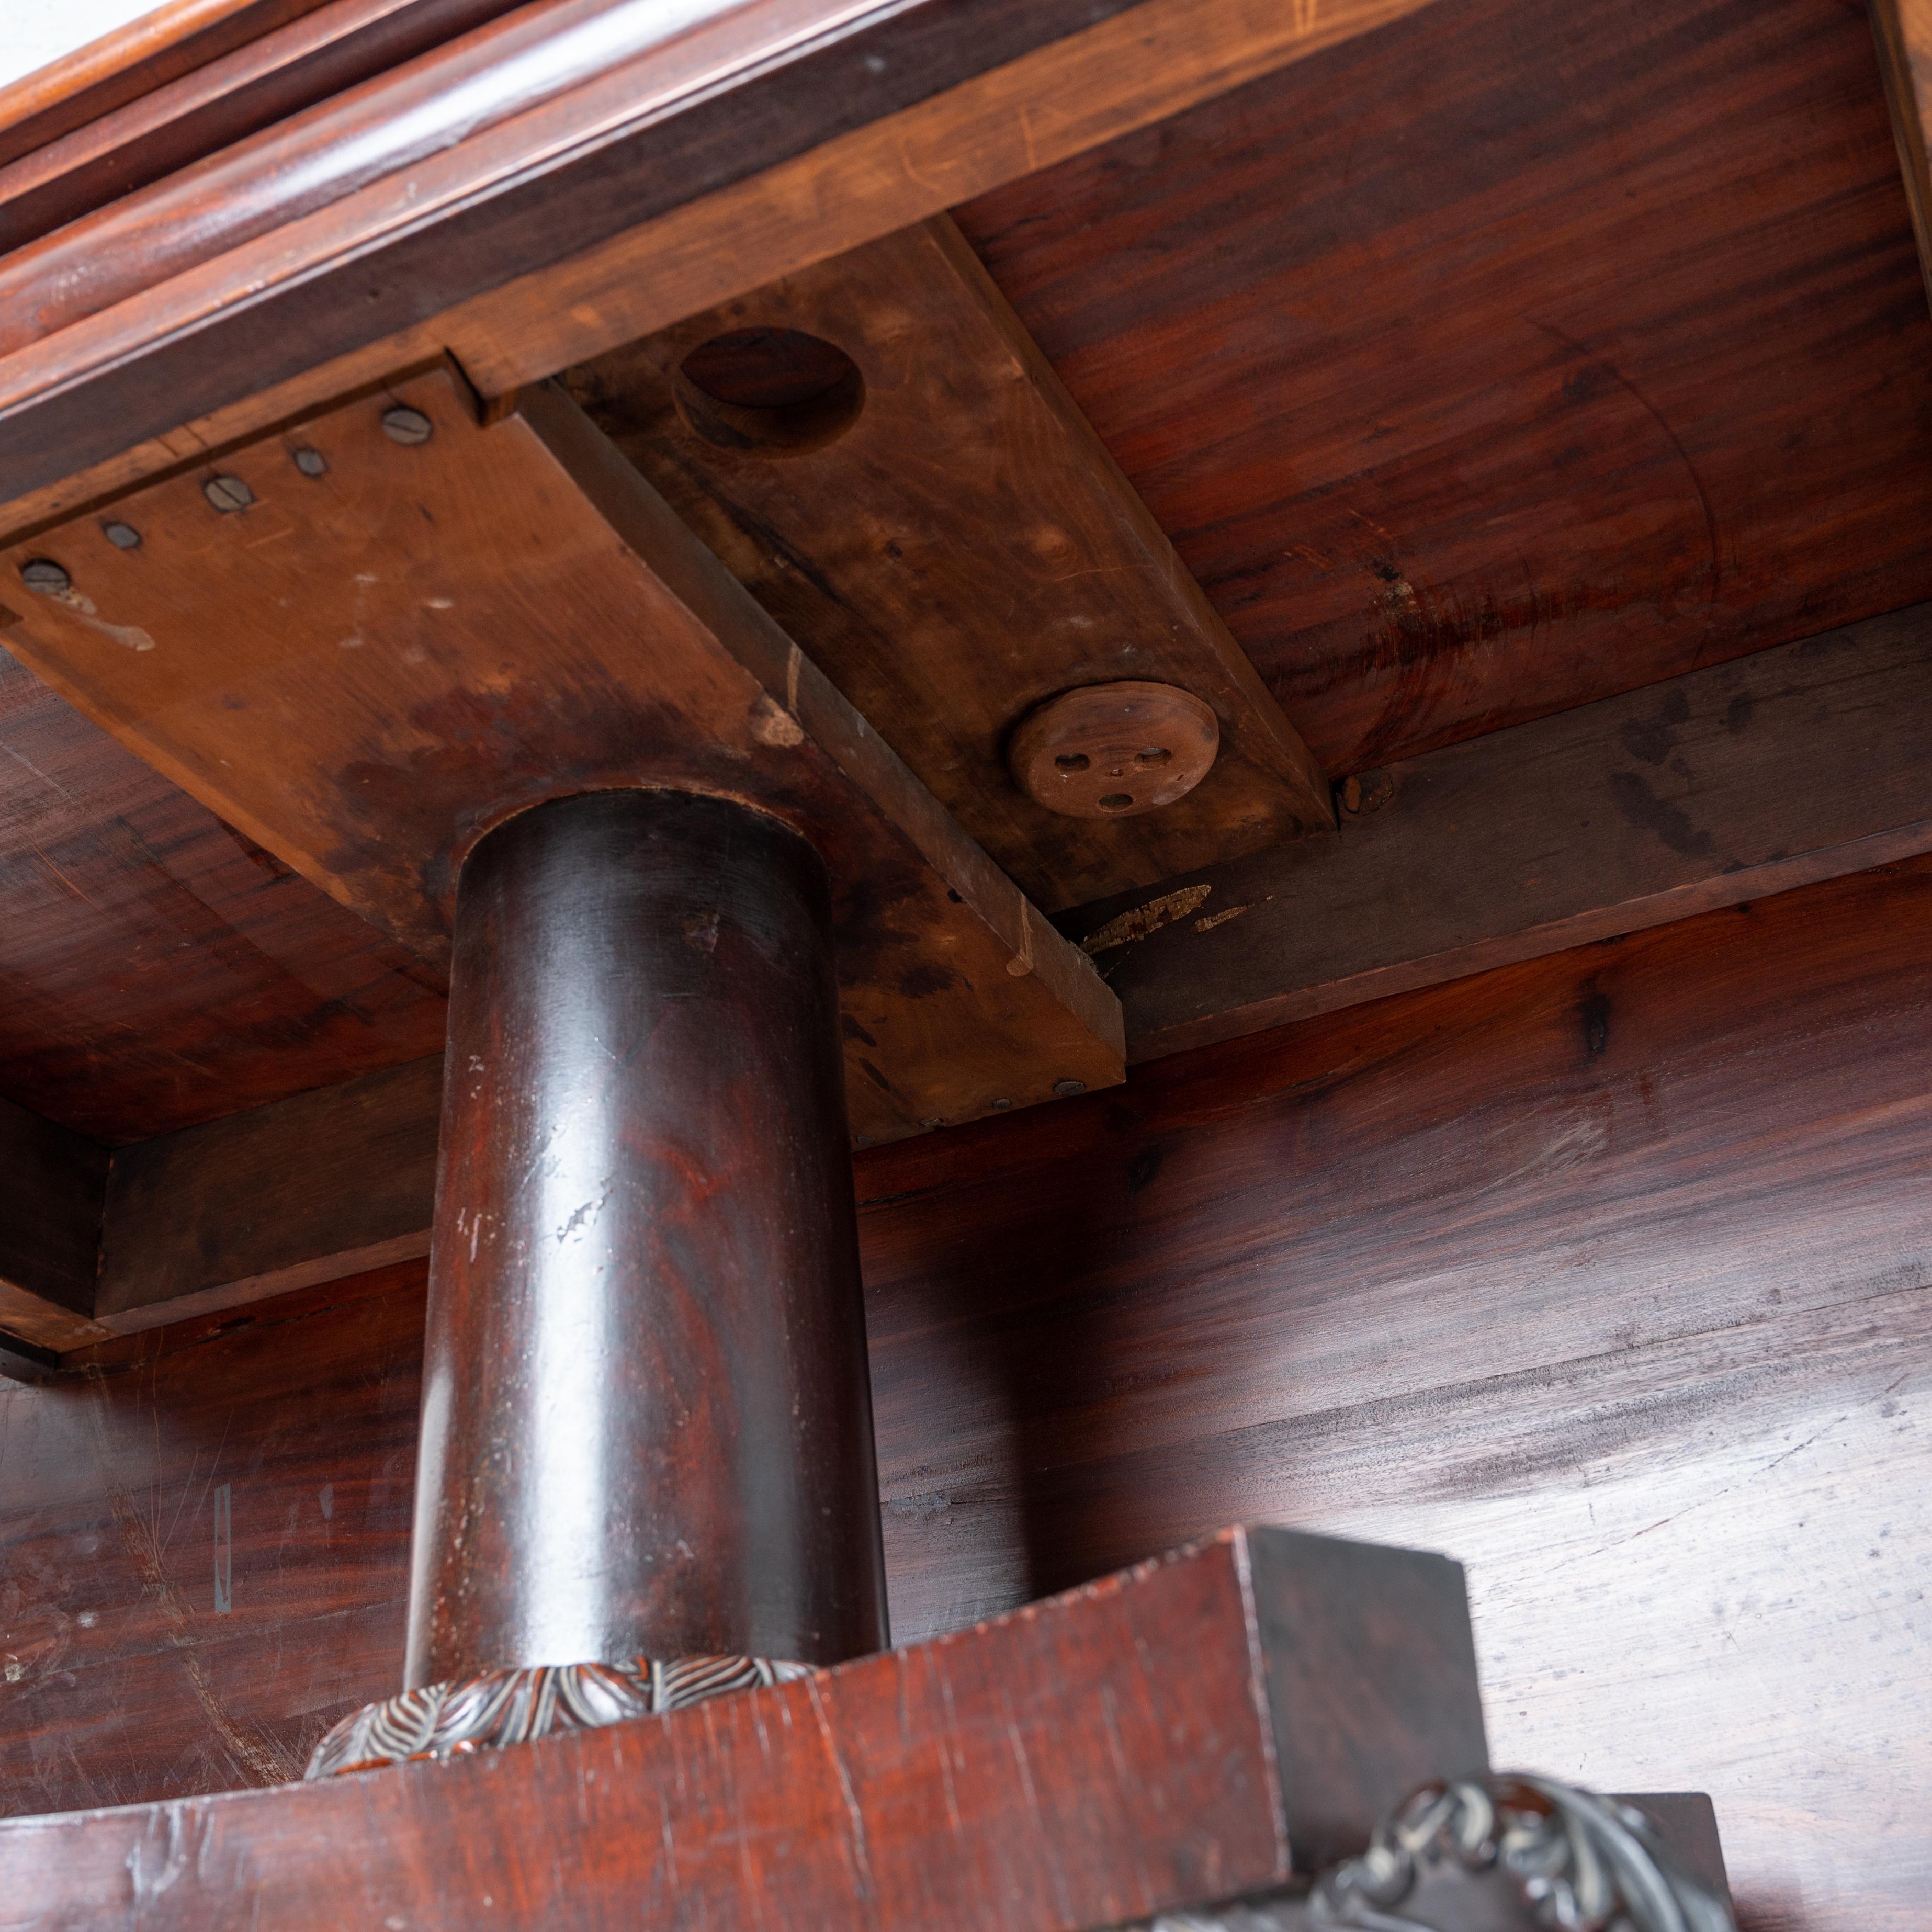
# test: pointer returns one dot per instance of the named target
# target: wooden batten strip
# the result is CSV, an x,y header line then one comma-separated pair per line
x,y
1799,763
53,1185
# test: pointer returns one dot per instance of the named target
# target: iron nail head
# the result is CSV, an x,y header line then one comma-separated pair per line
x,y
122,536
310,462
406,426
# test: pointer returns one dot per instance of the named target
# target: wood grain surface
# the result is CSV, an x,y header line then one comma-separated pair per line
x,y
965,549
1797,764
175,124
1903,30
1606,1274
1511,358
52,1187
158,969
859,135
1793,765
365,670
158,47
1088,1760
322,1185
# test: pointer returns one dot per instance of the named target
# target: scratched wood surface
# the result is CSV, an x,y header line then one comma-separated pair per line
x,y
1606,1273
1510,358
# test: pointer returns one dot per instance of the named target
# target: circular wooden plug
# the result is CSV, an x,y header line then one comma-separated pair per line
x,y
1110,750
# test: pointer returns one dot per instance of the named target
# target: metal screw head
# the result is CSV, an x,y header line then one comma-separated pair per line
x,y
122,536
310,462
1001,1106
1066,1089
406,425
44,574
932,1123
227,493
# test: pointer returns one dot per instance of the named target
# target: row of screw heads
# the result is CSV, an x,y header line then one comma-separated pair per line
x,y
227,493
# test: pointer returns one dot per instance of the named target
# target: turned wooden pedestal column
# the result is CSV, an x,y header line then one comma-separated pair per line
x,y
646,1421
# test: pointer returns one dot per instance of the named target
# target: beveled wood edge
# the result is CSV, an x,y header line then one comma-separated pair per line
x,y
1903,99
404,1102
1140,66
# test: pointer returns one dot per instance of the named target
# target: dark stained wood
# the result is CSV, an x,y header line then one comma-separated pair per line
x,y
1797,764
53,1185
312,1189
146,54
157,969
645,1383
501,615
1092,1759
1509,359
555,248
332,48
1606,1273
1801,763
961,551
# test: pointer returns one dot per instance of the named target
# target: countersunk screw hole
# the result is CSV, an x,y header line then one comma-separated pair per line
x,y
1116,801
1072,761
1155,754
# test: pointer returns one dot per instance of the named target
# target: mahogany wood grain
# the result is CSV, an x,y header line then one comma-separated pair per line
x,y
1796,764
332,48
52,1187
961,551
1510,359
1800,763
1607,1273
1088,1760
157,969
816,147
364,671
146,54
312,1189
646,1427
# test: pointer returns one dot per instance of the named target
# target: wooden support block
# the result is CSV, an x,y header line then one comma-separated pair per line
x,y
953,545
53,1184
1198,1726
1800,763
308,1189
366,663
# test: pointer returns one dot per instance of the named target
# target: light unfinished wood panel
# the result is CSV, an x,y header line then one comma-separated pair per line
x,y
963,548
366,668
